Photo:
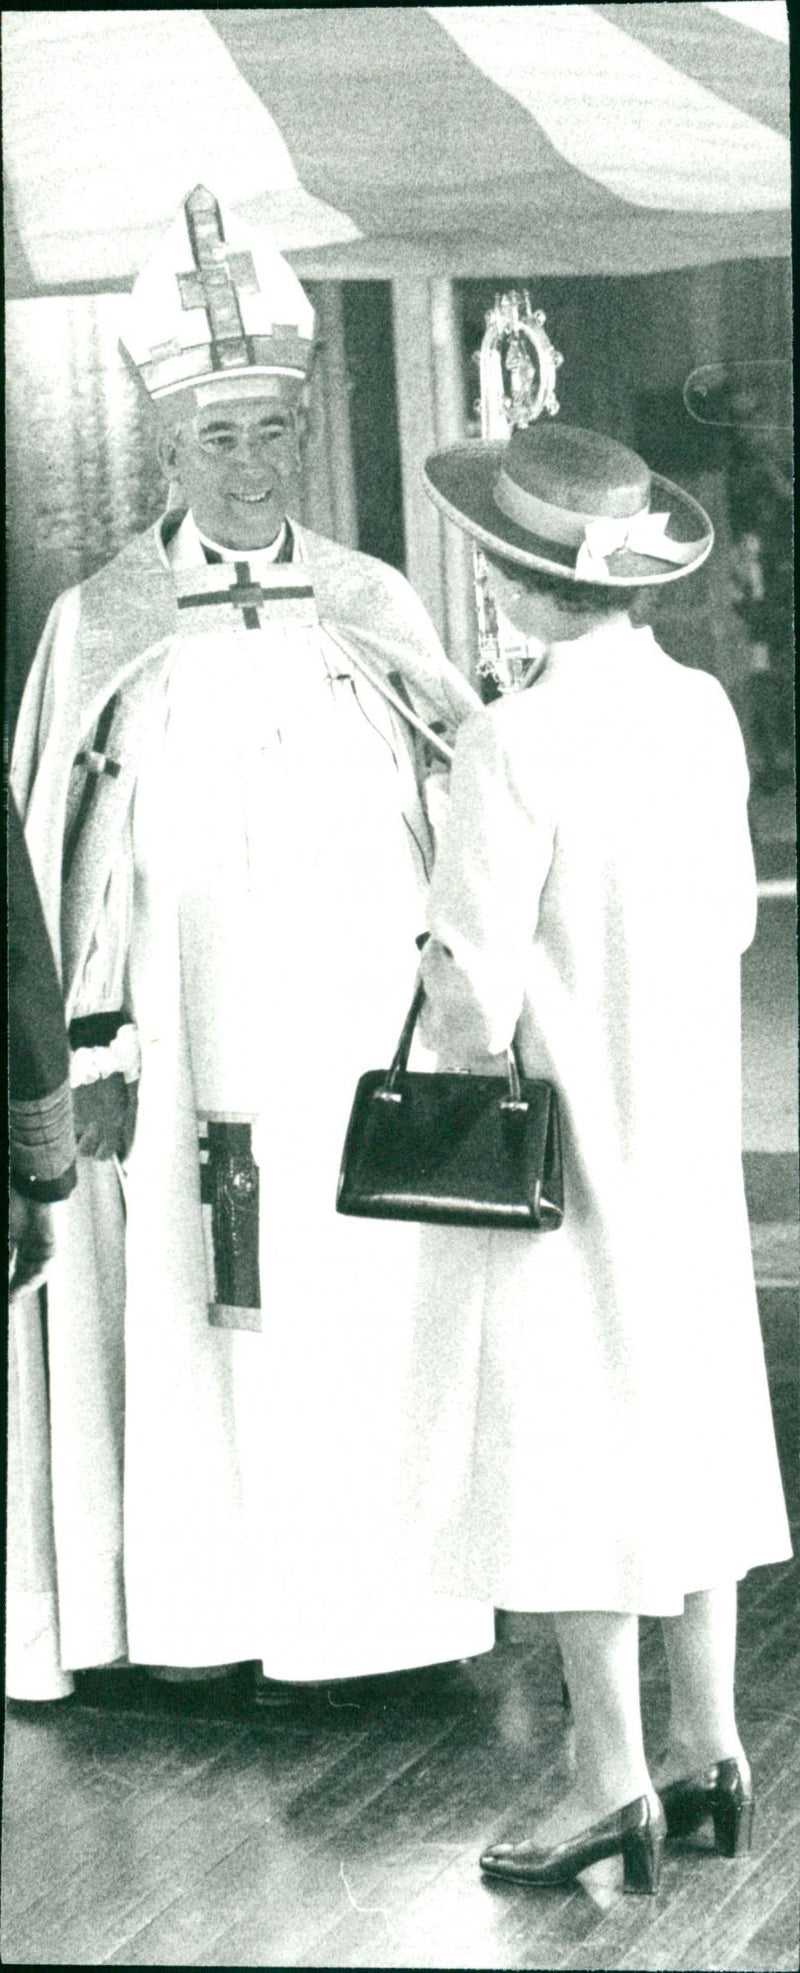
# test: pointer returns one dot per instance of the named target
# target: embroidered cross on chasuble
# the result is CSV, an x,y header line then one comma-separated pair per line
x,y
225,596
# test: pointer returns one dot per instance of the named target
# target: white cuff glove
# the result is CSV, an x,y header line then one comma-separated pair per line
x,y
122,1056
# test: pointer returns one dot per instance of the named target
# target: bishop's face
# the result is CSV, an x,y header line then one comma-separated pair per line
x,y
237,463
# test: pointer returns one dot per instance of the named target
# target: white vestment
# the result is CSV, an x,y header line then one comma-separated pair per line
x,y
259,925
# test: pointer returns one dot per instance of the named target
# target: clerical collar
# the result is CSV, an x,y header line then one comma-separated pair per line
x,y
279,550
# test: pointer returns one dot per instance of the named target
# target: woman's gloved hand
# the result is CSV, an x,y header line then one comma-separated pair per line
x,y
450,1023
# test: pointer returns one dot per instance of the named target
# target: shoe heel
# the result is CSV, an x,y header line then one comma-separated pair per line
x,y
642,1859
733,1827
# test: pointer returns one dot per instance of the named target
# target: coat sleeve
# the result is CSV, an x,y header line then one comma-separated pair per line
x,y
491,865
733,896
744,874
41,1126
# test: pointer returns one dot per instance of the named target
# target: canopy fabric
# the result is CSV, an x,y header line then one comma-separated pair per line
x,y
609,139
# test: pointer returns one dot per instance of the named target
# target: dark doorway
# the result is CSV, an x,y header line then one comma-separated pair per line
x,y
369,351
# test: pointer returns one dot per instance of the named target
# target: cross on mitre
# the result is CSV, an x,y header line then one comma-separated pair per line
x,y
216,300
219,273
228,265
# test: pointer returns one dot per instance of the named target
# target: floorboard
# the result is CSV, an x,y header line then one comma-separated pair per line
x,y
353,1841
346,1833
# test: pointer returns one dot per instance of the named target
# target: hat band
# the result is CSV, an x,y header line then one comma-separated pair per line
x,y
567,525
602,535
214,384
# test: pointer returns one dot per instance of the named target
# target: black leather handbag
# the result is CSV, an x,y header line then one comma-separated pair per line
x,y
458,1149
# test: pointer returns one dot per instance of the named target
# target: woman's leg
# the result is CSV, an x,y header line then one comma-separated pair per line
x,y
600,1651
701,1655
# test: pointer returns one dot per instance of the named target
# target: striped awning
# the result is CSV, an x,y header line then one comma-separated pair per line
x,y
372,140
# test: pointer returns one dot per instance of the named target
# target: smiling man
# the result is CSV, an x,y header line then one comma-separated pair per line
x,y
241,463
219,798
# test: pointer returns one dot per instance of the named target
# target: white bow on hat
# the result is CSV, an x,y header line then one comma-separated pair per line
x,y
644,534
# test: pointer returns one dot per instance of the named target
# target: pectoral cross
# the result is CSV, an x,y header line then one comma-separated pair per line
x,y
249,596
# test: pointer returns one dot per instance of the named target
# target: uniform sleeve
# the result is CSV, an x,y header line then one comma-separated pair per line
x,y
491,864
42,1140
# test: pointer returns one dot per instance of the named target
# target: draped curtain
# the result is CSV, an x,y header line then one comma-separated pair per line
x,y
371,140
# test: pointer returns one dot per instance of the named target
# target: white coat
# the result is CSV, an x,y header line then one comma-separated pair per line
x,y
591,1415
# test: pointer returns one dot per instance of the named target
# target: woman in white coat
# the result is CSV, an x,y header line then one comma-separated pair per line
x,y
594,1435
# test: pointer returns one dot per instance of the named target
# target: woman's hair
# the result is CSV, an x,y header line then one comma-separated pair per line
x,y
579,599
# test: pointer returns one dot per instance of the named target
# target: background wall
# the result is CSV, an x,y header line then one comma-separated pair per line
x,y
394,376
629,346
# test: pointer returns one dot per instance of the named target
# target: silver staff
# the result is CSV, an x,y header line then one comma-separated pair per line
x,y
517,364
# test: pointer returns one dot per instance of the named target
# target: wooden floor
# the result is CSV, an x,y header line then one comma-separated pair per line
x,y
347,1834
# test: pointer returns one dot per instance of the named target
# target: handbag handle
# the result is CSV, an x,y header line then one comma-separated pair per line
x,y
399,1063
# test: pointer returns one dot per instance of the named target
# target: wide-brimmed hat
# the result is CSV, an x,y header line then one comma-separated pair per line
x,y
571,503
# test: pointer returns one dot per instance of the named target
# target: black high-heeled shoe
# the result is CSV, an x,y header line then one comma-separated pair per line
x,y
718,1792
635,1832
